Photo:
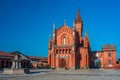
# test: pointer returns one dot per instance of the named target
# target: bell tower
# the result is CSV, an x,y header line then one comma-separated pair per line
x,y
78,24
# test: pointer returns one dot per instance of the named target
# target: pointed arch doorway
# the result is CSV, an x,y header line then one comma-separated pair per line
x,y
62,63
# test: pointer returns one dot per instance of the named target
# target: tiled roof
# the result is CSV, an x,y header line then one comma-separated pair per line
x,y
5,54
36,57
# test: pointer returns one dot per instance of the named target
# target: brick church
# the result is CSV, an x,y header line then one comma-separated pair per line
x,y
68,49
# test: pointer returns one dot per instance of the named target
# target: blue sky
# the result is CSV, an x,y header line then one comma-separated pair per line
x,y
25,25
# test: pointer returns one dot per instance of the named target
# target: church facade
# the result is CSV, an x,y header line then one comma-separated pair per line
x,y
69,49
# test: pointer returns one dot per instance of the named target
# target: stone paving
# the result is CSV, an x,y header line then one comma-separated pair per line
x,y
81,74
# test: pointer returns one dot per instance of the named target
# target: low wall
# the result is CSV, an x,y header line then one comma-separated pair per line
x,y
16,71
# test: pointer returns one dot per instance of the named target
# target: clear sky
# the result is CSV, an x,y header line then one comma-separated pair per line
x,y
25,25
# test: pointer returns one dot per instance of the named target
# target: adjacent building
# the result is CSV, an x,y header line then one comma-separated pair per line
x,y
38,62
20,60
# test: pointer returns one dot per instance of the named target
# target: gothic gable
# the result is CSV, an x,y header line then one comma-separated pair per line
x,y
64,35
64,29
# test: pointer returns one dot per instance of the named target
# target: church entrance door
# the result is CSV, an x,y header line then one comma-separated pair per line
x,y
62,63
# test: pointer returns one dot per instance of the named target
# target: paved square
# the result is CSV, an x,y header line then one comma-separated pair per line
x,y
82,74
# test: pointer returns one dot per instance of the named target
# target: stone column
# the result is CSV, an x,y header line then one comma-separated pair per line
x,y
19,64
16,64
13,64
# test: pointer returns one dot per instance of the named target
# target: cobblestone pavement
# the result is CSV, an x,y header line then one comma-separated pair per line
x,y
81,74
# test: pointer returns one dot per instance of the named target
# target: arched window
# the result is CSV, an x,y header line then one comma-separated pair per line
x,y
109,54
56,51
64,40
69,51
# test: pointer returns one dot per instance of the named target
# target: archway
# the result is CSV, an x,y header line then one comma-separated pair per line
x,y
97,63
62,63
64,39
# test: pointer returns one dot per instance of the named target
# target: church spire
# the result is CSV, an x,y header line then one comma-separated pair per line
x,y
78,24
54,29
78,17
64,22
50,37
86,35
73,25
78,14
53,26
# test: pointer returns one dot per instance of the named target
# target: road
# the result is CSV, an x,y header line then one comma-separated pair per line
x,y
81,74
